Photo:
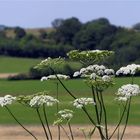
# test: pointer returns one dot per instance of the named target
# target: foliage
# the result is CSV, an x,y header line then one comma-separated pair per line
x,y
69,34
66,30
20,32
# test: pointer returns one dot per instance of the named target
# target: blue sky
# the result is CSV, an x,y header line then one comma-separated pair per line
x,y
40,13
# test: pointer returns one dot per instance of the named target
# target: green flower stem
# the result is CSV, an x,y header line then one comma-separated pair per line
x,y
96,110
57,108
125,107
76,98
20,123
64,131
70,131
100,103
45,115
105,115
93,122
37,110
127,117
91,132
63,84
132,79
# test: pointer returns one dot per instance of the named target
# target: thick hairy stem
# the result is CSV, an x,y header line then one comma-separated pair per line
x,y
37,110
46,120
104,109
70,131
97,115
126,122
20,123
121,118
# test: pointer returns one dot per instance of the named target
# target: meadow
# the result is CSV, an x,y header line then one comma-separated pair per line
x,y
79,89
16,64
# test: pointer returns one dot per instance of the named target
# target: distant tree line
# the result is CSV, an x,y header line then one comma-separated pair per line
x,y
68,34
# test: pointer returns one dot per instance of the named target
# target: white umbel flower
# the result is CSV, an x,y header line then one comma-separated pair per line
x,y
66,114
109,71
38,101
129,69
7,99
106,78
129,90
80,102
76,74
124,99
52,77
93,76
83,70
43,78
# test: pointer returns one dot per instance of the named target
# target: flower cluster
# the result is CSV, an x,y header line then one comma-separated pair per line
x,y
106,78
89,56
99,70
7,99
124,99
128,90
95,72
52,77
49,62
81,102
66,114
129,69
38,101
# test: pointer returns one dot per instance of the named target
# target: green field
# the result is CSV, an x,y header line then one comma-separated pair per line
x,y
16,65
78,87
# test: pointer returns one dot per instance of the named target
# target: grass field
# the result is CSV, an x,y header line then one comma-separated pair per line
x,y
78,87
16,65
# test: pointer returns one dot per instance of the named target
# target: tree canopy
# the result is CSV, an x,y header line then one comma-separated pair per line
x,y
71,33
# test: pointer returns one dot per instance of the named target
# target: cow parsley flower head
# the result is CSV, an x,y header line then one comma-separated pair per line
x,y
43,78
129,69
93,76
109,71
52,77
124,99
100,72
66,114
76,74
81,102
83,70
93,71
38,101
7,99
106,78
129,90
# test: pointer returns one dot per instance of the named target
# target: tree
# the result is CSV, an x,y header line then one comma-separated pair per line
x,y
92,33
136,26
67,30
43,34
57,23
19,32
